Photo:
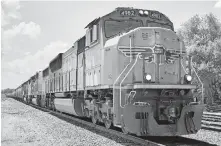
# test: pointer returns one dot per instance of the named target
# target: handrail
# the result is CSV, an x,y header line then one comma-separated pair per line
x,y
199,81
130,49
183,67
125,78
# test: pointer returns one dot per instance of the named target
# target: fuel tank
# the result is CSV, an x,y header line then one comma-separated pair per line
x,y
70,106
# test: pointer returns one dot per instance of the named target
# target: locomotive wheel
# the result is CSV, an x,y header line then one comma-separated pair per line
x,y
53,106
124,130
107,123
86,113
94,118
28,100
47,102
50,104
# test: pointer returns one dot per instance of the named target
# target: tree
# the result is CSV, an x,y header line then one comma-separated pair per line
x,y
202,37
5,91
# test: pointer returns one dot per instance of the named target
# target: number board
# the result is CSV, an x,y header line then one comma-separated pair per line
x,y
159,51
156,15
127,13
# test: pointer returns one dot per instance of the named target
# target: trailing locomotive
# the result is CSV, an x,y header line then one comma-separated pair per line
x,y
128,71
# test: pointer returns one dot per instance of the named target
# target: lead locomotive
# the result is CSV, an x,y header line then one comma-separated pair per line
x,y
128,71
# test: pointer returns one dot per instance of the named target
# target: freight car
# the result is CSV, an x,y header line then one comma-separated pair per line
x,y
128,71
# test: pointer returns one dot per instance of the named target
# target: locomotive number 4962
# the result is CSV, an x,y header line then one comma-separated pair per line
x,y
127,13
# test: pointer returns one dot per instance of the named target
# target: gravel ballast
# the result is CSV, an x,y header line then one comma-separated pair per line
x,y
209,136
23,125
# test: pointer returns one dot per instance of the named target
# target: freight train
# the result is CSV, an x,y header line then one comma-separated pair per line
x,y
130,70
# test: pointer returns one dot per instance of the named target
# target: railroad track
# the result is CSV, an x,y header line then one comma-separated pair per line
x,y
211,121
133,140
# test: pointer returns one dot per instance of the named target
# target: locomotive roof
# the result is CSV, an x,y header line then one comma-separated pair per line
x,y
121,8
24,83
32,77
45,69
66,53
56,57
93,22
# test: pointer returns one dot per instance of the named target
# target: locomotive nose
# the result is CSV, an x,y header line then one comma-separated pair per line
x,y
151,47
150,37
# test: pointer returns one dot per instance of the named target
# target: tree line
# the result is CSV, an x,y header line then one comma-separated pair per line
x,y
202,37
7,91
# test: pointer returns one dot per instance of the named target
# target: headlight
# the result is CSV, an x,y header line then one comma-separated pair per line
x,y
141,12
148,77
172,112
188,78
146,12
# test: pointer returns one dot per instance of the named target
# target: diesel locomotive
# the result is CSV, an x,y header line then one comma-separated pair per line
x,y
130,70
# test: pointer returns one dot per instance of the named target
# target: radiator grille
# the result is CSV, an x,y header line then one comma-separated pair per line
x,y
141,115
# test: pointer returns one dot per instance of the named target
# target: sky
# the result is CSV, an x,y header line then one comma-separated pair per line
x,y
34,32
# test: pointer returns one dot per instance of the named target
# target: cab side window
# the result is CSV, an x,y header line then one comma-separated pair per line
x,y
92,34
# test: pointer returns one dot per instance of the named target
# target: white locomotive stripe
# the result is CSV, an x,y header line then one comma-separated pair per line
x,y
128,51
144,86
164,86
143,47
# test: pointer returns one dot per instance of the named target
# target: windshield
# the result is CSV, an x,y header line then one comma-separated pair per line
x,y
155,24
114,27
